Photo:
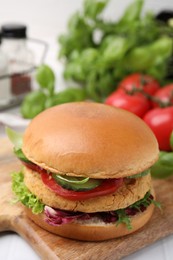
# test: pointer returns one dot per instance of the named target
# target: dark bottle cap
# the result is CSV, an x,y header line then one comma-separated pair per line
x,y
16,31
164,15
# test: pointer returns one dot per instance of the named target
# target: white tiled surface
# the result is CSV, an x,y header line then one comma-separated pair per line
x,y
46,19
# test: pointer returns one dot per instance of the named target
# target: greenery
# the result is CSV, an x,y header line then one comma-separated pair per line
x,y
24,195
46,96
98,53
163,168
146,201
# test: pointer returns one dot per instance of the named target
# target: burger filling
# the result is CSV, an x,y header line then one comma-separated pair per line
x,y
73,189
58,217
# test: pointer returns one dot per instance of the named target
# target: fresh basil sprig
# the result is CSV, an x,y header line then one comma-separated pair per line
x,y
70,179
46,96
163,168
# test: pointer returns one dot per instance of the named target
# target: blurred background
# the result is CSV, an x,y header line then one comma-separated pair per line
x,y
46,19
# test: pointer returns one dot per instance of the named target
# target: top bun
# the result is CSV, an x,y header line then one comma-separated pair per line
x,y
90,139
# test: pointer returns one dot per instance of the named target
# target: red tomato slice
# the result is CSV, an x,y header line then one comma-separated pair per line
x,y
108,186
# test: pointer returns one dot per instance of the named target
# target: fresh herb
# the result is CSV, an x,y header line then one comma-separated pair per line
x,y
69,179
24,195
46,96
98,53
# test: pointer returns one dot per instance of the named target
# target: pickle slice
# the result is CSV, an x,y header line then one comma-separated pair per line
x,y
76,183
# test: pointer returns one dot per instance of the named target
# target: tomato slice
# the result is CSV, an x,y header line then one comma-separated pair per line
x,y
107,186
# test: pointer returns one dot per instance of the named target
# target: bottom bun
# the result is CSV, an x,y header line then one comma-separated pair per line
x,y
93,231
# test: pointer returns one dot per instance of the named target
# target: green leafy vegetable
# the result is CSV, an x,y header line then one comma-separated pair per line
x,y
46,78
33,104
46,96
92,8
133,12
19,153
163,168
123,217
76,183
24,195
70,179
98,53
15,137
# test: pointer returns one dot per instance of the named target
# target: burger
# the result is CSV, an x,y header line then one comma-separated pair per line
x,y
86,171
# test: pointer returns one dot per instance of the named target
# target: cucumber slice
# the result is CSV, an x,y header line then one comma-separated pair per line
x,y
139,175
76,184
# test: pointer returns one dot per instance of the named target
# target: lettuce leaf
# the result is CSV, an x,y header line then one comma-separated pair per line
x,y
24,195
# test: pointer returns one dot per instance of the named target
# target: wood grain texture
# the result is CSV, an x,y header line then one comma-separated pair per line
x,y
49,246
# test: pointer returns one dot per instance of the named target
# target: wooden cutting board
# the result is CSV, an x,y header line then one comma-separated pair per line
x,y
49,246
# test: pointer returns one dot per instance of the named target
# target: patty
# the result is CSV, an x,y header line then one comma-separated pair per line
x,y
131,191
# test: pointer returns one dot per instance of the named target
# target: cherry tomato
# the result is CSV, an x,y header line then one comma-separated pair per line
x,y
136,103
164,95
107,186
160,120
147,83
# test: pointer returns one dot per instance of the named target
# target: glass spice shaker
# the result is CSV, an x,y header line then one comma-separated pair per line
x,y
5,91
20,59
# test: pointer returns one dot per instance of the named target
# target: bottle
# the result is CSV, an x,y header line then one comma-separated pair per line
x,y
5,91
20,59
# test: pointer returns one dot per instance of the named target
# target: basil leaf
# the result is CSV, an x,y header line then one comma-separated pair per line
x,y
132,12
33,104
92,8
70,179
163,168
15,137
19,153
46,78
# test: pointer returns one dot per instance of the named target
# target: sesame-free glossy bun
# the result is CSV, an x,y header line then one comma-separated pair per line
x,y
90,139
93,231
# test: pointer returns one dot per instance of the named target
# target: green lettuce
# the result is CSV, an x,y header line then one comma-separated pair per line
x,y
24,195
123,217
